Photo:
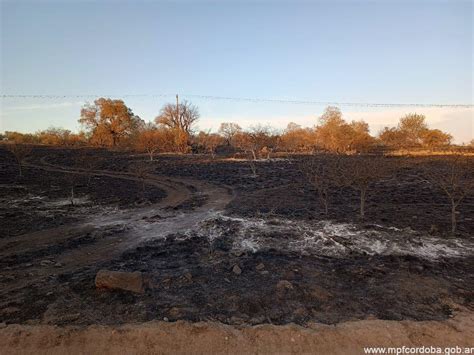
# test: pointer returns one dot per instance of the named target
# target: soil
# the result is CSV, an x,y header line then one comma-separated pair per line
x,y
215,338
216,244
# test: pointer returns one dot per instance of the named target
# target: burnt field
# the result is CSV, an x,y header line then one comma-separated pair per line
x,y
214,241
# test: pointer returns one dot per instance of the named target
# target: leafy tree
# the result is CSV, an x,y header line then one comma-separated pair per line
x,y
412,131
412,127
210,142
392,137
151,140
20,138
434,138
253,140
361,140
108,121
336,135
297,139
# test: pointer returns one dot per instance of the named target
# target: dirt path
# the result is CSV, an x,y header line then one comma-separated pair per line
x,y
110,234
211,338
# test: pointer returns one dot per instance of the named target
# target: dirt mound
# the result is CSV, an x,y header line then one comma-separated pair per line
x,y
204,338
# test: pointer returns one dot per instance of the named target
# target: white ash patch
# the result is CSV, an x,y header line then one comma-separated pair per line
x,y
327,238
77,201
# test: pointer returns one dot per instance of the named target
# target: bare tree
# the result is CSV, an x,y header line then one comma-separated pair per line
x,y
228,130
322,173
360,172
20,152
141,170
84,165
182,117
72,179
253,167
455,177
88,163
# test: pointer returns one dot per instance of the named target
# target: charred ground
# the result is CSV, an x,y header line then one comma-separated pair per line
x,y
190,276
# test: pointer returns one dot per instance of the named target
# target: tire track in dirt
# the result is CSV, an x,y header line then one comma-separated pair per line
x,y
132,225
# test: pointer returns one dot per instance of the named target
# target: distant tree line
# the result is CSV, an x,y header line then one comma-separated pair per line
x,y
110,123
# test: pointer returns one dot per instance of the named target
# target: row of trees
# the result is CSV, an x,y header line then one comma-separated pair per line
x,y
453,177
110,123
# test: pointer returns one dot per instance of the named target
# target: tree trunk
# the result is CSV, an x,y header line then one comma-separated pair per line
x,y
20,168
72,195
254,155
326,209
453,218
362,203
323,199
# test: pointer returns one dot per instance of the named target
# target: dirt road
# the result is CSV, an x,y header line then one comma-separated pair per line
x,y
211,338
114,233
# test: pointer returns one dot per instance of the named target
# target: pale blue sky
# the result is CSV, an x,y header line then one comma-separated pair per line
x,y
357,51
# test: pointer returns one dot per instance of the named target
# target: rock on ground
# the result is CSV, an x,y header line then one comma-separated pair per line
x,y
128,281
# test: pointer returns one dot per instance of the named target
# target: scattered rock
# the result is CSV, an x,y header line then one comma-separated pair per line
x,y
434,229
237,320
257,320
55,315
284,285
128,281
188,276
300,312
238,253
32,322
320,293
58,265
236,270
46,262
260,266
10,310
175,312
418,268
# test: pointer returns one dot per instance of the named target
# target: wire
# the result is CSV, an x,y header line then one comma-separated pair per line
x,y
77,96
332,103
247,99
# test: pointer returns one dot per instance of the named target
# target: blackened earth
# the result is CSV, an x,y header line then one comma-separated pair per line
x,y
193,278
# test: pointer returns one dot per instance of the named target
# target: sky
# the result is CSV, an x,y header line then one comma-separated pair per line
x,y
416,51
